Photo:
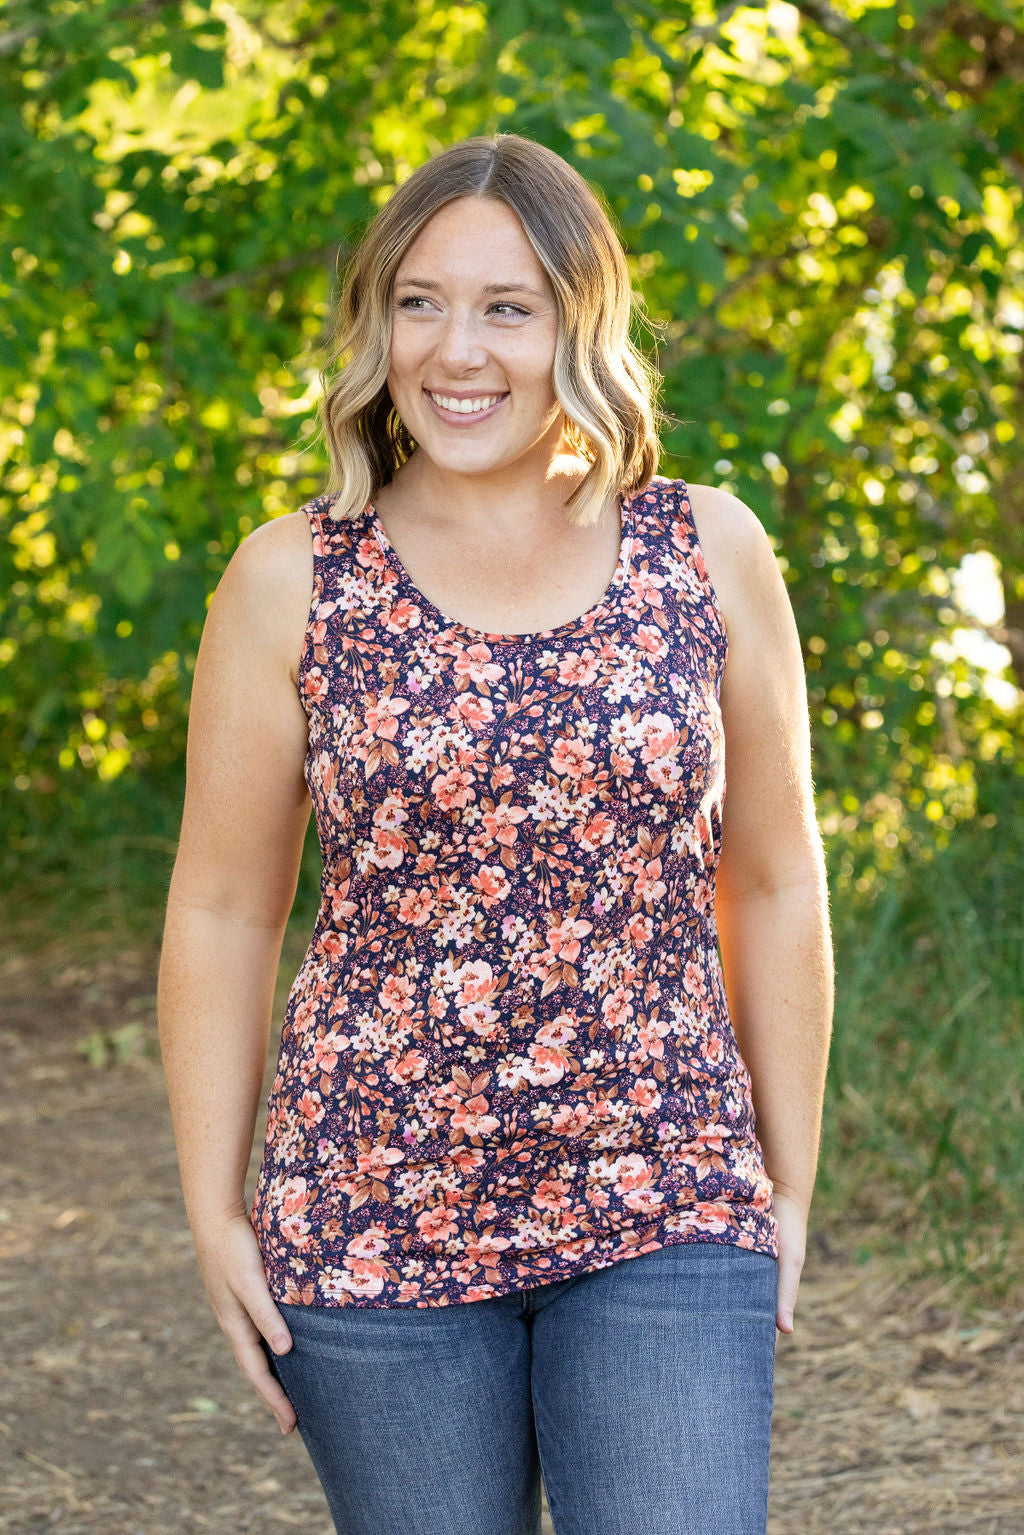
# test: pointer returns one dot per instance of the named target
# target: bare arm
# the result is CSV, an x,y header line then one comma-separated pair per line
x,y
771,899
243,825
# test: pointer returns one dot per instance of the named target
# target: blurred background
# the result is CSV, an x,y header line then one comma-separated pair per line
x,y
822,208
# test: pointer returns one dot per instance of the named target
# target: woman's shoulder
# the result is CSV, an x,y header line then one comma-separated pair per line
x,y
278,541
273,558
720,515
738,554
725,525
265,590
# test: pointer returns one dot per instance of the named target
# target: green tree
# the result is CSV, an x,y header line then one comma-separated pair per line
x,y
820,204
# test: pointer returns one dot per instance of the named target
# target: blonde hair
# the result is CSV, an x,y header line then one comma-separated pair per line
x,y
605,386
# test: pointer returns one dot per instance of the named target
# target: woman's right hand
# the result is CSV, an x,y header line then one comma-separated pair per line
x,y
236,1285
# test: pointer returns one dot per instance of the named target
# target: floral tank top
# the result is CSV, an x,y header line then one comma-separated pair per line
x,y
507,1056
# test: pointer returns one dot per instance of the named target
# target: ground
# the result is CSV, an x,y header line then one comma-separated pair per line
x,y
898,1406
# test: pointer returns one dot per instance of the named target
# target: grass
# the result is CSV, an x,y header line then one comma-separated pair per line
x,y
922,1134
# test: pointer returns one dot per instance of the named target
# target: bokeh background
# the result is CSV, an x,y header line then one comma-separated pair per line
x,y
821,206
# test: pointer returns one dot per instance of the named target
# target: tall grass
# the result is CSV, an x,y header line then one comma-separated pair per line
x,y
923,1134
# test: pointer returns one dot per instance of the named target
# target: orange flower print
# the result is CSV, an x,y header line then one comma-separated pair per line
x,y
436,1225
651,641
660,737
648,884
713,1048
693,979
563,938
311,1107
475,665
382,716
401,618
474,1117
570,1119
481,1019
396,994
551,1194
492,885
415,907
475,981
598,832
547,1064
315,685
507,1055
499,825
578,670
474,712
572,758
326,1050
410,1067
360,1279
645,1094
453,790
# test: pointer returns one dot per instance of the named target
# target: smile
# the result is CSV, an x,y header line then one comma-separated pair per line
x,y
451,408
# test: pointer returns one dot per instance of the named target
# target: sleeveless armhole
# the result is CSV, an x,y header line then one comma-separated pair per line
x,y
314,521
686,518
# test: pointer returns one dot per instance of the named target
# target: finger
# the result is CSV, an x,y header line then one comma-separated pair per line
x,y
268,1320
250,1311
246,1340
789,1283
253,1363
253,1300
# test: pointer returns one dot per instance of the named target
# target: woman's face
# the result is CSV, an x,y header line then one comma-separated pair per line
x,y
475,321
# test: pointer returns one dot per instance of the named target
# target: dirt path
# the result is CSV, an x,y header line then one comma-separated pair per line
x,y
122,1411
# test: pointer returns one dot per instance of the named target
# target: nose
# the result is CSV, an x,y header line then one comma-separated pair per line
x,y
460,347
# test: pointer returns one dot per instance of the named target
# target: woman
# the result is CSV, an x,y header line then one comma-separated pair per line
x,y
513,1209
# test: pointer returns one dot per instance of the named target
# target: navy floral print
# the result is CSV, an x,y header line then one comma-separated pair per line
x,y
507,1056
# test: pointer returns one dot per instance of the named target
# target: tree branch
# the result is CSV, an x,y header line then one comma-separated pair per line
x,y
847,32
314,34
208,287
11,42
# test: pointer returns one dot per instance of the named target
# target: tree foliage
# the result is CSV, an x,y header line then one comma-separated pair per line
x,y
821,206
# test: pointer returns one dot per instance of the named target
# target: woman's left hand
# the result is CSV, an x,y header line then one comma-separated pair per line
x,y
791,1218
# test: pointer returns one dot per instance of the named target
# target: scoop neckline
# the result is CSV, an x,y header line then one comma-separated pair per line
x,y
493,636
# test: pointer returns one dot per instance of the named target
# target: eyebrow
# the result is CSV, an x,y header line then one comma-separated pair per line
x,y
491,287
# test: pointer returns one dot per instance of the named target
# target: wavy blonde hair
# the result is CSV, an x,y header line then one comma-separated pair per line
x,y
606,387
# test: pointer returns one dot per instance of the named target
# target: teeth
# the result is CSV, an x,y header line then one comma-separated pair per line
x,y
464,407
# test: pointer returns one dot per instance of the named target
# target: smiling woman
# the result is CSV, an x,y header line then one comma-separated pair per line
x,y
460,356
538,1156
541,263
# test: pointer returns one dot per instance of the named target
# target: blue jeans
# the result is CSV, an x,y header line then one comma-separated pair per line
x,y
642,1391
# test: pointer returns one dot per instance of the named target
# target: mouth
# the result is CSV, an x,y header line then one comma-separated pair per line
x,y
465,411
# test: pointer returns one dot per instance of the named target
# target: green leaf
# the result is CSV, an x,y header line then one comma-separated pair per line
x,y
195,63
134,576
509,19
